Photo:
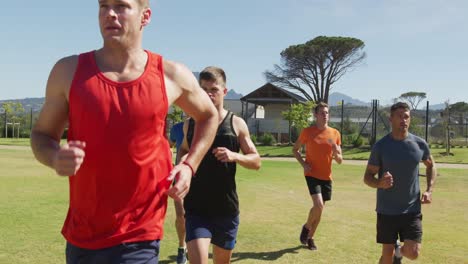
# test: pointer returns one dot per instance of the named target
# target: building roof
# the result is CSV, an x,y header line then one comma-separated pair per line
x,y
272,94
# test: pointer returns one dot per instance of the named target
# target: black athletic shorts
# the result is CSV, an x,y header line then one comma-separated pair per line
x,y
406,226
319,186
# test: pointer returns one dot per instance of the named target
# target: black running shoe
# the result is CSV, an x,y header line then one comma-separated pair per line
x,y
396,260
311,244
304,235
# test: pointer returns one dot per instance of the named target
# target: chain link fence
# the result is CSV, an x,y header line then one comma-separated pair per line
x,y
364,125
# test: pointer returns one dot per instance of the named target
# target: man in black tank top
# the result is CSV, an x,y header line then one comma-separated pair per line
x,y
212,206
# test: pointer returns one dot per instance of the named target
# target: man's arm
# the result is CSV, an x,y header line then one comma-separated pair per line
x,y
47,131
385,182
431,174
297,154
337,154
249,158
184,146
182,89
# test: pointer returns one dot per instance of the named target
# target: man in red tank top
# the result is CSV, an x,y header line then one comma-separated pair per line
x,y
115,101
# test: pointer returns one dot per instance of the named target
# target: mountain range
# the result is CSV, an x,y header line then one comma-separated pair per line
x,y
36,103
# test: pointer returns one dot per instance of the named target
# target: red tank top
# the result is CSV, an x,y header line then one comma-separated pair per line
x,y
119,193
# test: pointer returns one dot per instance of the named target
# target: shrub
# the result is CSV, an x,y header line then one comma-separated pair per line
x,y
357,142
253,138
267,139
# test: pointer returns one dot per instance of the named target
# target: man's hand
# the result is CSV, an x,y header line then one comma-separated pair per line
x,y
307,168
183,175
69,157
224,154
426,198
336,149
386,181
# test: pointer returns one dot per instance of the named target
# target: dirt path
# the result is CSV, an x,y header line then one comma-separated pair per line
x,y
347,162
14,147
364,162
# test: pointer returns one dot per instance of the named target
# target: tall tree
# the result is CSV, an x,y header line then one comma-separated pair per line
x,y
313,67
413,98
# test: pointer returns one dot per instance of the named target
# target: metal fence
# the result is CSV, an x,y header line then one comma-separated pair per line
x,y
370,123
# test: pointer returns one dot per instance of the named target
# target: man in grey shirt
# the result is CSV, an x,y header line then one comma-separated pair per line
x,y
395,159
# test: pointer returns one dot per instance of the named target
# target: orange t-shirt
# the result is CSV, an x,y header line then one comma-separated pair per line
x,y
318,145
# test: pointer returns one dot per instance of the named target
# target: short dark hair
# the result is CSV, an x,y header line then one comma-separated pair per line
x,y
399,105
320,105
212,73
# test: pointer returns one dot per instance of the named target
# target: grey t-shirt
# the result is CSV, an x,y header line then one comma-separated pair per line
x,y
401,158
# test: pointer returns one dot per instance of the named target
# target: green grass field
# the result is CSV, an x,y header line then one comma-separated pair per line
x,y
460,155
274,205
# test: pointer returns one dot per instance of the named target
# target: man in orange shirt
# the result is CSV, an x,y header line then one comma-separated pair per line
x,y
322,144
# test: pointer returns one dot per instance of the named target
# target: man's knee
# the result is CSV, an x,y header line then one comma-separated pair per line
x,y
411,250
318,207
412,253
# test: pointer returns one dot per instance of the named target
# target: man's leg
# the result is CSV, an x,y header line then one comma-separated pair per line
x,y
411,235
315,214
180,222
387,254
221,255
180,228
411,249
198,237
388,227
224,239
198,250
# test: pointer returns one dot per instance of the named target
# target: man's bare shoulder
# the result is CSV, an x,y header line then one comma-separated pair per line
x,y
238,120
173,70
239,125
69,62
61,76
65,68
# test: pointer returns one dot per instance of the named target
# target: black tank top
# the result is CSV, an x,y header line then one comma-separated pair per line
x,y
213,189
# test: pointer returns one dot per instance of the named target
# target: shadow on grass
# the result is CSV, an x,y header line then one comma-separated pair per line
x,y
172,259
267,256
238,256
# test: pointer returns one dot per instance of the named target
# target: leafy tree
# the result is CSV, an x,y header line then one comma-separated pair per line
x,y
176,115
460,107
15,113
316,65
413,98
299,115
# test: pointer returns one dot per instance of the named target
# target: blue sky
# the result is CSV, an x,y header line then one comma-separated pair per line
x,y
411,45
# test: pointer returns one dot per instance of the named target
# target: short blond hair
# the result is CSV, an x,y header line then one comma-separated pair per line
x,y
143,3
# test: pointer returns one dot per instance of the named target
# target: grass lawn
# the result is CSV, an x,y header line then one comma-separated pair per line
x,y
460,155
14,141
274,205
